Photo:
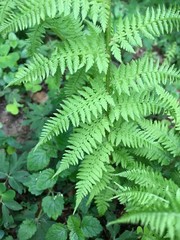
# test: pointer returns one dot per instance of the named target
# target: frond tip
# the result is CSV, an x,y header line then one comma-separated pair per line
x,y
39,68
160,221
79,108
84,140
129,31
91,171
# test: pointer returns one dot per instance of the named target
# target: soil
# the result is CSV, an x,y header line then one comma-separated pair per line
x,y
12,125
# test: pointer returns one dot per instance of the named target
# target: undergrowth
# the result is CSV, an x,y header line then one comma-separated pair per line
x,y
115,134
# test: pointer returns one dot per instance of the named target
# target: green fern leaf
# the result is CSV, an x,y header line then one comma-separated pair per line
x,y
136,107
75,82
142,74
6,8
159,220
155,153
35,38
169,102
65,27
160,130
123,157
28,14
170,53
102,184
99,11
128,31
130,135
137,198
83,141
102,201
84,51
147,177
75,110
40,68
91,171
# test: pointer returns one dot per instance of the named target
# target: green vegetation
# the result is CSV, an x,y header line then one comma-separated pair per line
x,y
92,89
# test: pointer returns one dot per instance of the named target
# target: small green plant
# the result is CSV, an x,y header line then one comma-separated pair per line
x,y
122,122
11,51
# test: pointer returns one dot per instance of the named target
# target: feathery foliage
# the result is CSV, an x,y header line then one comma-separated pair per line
x,y
129,31
119,114
154,203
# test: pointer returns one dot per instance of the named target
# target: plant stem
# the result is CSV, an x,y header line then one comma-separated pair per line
x,y
39,214
108,38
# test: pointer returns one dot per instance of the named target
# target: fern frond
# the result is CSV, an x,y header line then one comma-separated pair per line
x,y
71,54
83,141
27,14
178,121
129,31
84,51
142,74
170,53
65,27
102,201
162,219
39,68
89,103
6,7
91,171
136,106
99,12
165,136
79,7
35,38
169,102
102,183
147,177
123,157
155,153
75,82
137,198
30,13
130,135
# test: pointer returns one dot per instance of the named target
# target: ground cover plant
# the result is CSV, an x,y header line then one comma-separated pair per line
x,y
105,164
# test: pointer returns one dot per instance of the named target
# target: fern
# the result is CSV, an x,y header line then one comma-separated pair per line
x,y
65,27
138,106
169,102
90,102
75,82
148,178
170,53
144,73
35,38
150,204
136,198
6,6
157,153
130,135
30,13
128,32
102,200
124,124
71,54
166,137
91,171
100,12
78,53
159,219
40,68
83,141
122,156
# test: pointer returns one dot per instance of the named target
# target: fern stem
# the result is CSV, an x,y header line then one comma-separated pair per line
x,y
108,38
